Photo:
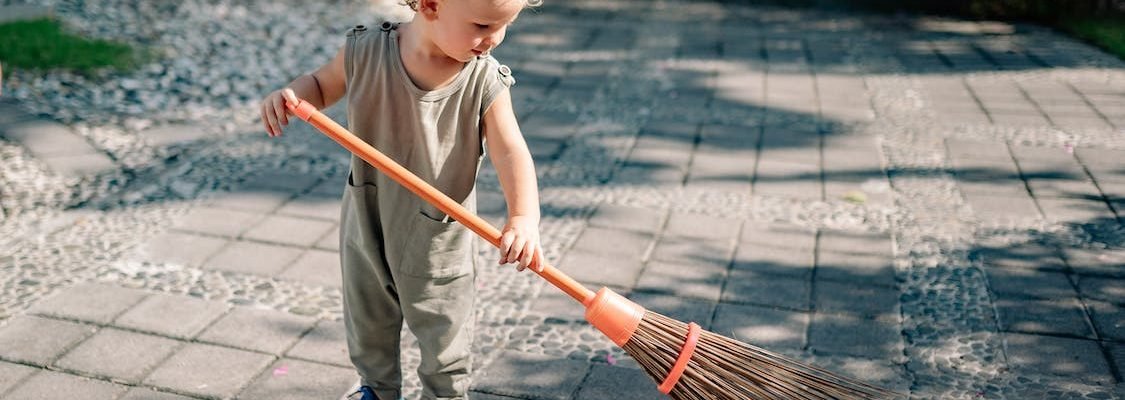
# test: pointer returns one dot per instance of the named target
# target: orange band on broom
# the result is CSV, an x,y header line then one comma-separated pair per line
x,y
737,370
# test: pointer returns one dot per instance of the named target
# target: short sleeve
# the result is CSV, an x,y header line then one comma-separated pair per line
x,y
498,78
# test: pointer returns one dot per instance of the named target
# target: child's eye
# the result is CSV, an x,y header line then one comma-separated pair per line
x,y
481,26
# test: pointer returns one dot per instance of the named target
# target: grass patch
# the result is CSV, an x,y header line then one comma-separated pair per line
x,y
1107,33
44,44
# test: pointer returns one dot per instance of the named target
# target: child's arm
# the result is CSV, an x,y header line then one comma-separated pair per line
x,y
519,241
321,88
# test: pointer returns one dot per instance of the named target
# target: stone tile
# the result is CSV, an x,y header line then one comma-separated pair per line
x,y
875,269
139,393
849,335
183,249
90,302
254,258
217,222
857,299
1102,262
1009,282
558,305
13,374
778,236
770,259
805,187
613,242
1076,211
856,243
330,240
292,231
22,339
699,281
174,316
618,383
282,181
294,379
760,326
541,376
698,226
44,138
601,269
173,134
629,218
1073,358
249,200
1021,255
693,252
1064,188
326,343
1102,288
747,286
119,355
267,331
313,206
1002,209
1061,317
679,308
317,267
92,163
206,370
56,385
1109,319
993,150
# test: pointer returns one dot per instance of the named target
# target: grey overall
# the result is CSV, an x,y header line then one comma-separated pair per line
x,y
402,259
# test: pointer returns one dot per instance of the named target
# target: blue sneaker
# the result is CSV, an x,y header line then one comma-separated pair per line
x,y
366,393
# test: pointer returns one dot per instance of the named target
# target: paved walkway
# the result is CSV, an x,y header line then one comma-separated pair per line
x,y
931,205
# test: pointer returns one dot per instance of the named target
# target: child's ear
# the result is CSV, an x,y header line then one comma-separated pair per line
x,y
429,8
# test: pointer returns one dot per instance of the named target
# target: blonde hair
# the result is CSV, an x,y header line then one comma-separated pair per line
x,y
413,4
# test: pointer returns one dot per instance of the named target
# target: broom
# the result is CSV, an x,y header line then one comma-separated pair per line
x,y
688,362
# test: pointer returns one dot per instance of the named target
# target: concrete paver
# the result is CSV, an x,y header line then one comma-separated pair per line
x,y
253,258
849,335
617,383
266,331
325,344
12,374
193,370
1058,355
56,385
777,330
172,316
540,376
294,380
22,339
315,267
96,303
1062,317
119,355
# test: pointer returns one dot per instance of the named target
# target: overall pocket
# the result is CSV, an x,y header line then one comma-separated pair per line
x,y
439,248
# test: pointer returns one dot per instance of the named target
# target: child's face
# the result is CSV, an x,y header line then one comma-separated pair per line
x,y
464,29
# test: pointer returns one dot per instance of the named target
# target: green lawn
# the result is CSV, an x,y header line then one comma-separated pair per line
x,y
44,44
1108,34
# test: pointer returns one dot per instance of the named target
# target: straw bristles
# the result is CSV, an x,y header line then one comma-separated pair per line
x,y
724,368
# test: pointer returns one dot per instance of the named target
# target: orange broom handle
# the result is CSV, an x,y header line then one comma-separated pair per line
x,y
403,176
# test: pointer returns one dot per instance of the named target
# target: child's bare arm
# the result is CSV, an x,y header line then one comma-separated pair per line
x,y
322,88
520,237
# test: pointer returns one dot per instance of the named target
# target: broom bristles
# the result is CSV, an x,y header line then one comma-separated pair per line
x,y
723,368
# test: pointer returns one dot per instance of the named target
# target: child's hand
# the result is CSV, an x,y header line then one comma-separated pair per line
x,y
274,113
519,241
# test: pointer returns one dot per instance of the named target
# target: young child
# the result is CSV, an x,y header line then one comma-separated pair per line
x,y
428,95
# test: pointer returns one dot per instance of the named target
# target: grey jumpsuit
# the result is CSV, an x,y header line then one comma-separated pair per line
x,y
403,259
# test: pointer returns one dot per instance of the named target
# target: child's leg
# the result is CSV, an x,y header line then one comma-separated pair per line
x,y
371,308
440,314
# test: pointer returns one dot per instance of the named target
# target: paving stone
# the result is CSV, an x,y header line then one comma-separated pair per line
x,y
91,302
13,374
171,315
856,243
1022,256
267,331
849,335
541,376
698,226
330,240
293,231
614,216
778,236
618,383
558,305
1057,356
254,258
1103,262
178,248
993,150
748,286
44,138
679,308
326,343
295,379
56,385
22,339
1009,283
693,252
857,299
1102,288
1108,318
876,269
194,370
770,259
1002,209
1100,156
249,200
760,326
1064,188
1062,317
599,269
613,242
139,393
316,267
119,355
700,281
1076,210
92,163
173,134
313,206
281,181
217,222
